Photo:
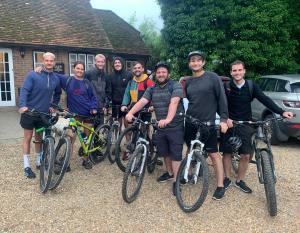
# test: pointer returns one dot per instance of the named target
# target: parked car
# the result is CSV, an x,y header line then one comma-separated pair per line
x,y
284,90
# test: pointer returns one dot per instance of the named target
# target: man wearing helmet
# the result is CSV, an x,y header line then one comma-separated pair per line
x,y
166,97
240,93
206,96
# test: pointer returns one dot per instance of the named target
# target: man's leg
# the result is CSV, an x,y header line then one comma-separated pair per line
x,y
218,167
227,164
26,152
38,148
243,166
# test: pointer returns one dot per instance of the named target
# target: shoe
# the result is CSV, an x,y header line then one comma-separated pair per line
x,y
219,193
242,186
165,177
87,164
227,183
29,173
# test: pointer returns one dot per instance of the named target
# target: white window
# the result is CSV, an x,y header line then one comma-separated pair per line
x,y
129,65
87,59
37,58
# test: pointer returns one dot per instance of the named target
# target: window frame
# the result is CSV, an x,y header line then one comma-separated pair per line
x,y
34,60
86,55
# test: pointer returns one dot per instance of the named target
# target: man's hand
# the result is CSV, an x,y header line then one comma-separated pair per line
x,y
124,108
288,115
224,127
104,110
151,109
38,69
23,109
129,116
229,123
163,123
51,110
93,111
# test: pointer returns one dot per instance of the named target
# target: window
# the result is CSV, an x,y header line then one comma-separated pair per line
x,y
87,59
295,87
129,65
270,84
282,86
261,82
37,58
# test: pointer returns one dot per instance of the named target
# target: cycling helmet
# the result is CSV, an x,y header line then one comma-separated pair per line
x,y
196,53
162,64
235,143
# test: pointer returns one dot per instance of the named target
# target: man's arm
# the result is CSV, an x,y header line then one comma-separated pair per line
x,y
57,93
171,112
222,101
137,107
25,90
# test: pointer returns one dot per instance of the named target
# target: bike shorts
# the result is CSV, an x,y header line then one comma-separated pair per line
x,y
31,122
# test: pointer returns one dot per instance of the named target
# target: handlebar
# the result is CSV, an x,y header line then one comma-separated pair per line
x,y
153,122
195,121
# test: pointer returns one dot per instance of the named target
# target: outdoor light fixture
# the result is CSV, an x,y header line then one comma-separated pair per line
x,y
22,52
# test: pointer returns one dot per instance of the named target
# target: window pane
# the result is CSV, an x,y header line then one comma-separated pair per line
x,y
2,77
3,96
1,57
270,85
38,57
8,94
90,59
282,86
7,86
1,68
6,57
2,87
7,77
6,67
82,57
295,87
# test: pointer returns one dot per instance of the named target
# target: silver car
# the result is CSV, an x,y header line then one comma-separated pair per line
x,y
284,90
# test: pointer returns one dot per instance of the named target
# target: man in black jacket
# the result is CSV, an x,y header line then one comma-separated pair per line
x,y
239,98
101,84
119,80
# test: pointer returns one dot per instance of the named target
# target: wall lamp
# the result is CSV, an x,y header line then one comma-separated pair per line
x,y
22,52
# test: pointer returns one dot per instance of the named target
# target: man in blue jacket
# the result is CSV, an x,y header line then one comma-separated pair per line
x,y
37,92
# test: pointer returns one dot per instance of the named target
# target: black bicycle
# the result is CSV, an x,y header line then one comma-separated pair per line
x,y
144,155
261,141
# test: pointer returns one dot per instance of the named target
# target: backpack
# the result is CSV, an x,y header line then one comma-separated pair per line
x,y
250,85
86,82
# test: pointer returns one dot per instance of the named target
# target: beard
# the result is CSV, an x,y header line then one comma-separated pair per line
x,y
162,82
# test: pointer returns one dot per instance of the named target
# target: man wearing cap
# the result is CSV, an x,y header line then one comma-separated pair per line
x,y
206,96
165,96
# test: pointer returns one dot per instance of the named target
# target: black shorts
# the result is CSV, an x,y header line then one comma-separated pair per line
x,y
242,131
169,142
116,111
209,137
31,122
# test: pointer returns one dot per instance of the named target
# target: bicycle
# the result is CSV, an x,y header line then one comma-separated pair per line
x,y
144,155
191,185
263,158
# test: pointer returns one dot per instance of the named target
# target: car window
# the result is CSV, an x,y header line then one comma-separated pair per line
x,y
282,86
295,87
270,84
261,82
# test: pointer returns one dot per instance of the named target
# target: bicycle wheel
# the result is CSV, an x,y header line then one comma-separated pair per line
x,y
62,157
99,139
47,164
191,193
269,183
134,175
112,139
125,146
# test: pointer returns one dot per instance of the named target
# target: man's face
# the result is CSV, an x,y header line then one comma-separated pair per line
x,y
100,63
117,65
79,70
196,63
49,62
138,70
161,74
238,72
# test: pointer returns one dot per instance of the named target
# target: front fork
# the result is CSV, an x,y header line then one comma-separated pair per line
x,y
145,144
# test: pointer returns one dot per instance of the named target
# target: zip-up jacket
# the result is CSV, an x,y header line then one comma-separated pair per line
x,y
39,90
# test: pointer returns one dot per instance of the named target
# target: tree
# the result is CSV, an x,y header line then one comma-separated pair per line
x,y
256,31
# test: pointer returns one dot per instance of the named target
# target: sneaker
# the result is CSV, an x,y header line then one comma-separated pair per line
x,y
165,177
87,164
29,173
227,183
219,193
242,186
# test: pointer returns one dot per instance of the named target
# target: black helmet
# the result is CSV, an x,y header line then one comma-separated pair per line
x,y
162,64
235,143
196,53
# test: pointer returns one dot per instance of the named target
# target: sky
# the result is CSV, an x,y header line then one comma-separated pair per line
x,y
126,8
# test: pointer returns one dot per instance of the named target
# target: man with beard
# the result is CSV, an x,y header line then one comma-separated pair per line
x,y
166,97
206,96
119,80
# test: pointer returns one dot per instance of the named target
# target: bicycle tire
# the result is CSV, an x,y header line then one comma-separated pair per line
x,y
121,149
203,175
269,183
100,139
137,173
62,157
47,164
112,139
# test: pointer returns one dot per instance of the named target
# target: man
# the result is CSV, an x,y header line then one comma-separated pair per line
x,y
119,80
239,99
136,88
205,93
101,84
37,92
165,96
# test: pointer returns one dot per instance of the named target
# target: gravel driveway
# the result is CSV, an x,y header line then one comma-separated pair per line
x,y
90,201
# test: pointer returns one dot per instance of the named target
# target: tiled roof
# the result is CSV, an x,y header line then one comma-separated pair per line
x,y
123,37
70,23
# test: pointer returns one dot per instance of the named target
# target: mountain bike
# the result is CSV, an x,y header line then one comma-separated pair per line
x,y
191,185
144,155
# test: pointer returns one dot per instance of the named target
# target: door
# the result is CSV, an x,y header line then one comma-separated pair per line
x,y
7,87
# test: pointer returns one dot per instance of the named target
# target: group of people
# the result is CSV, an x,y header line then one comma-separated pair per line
x,y
91,92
